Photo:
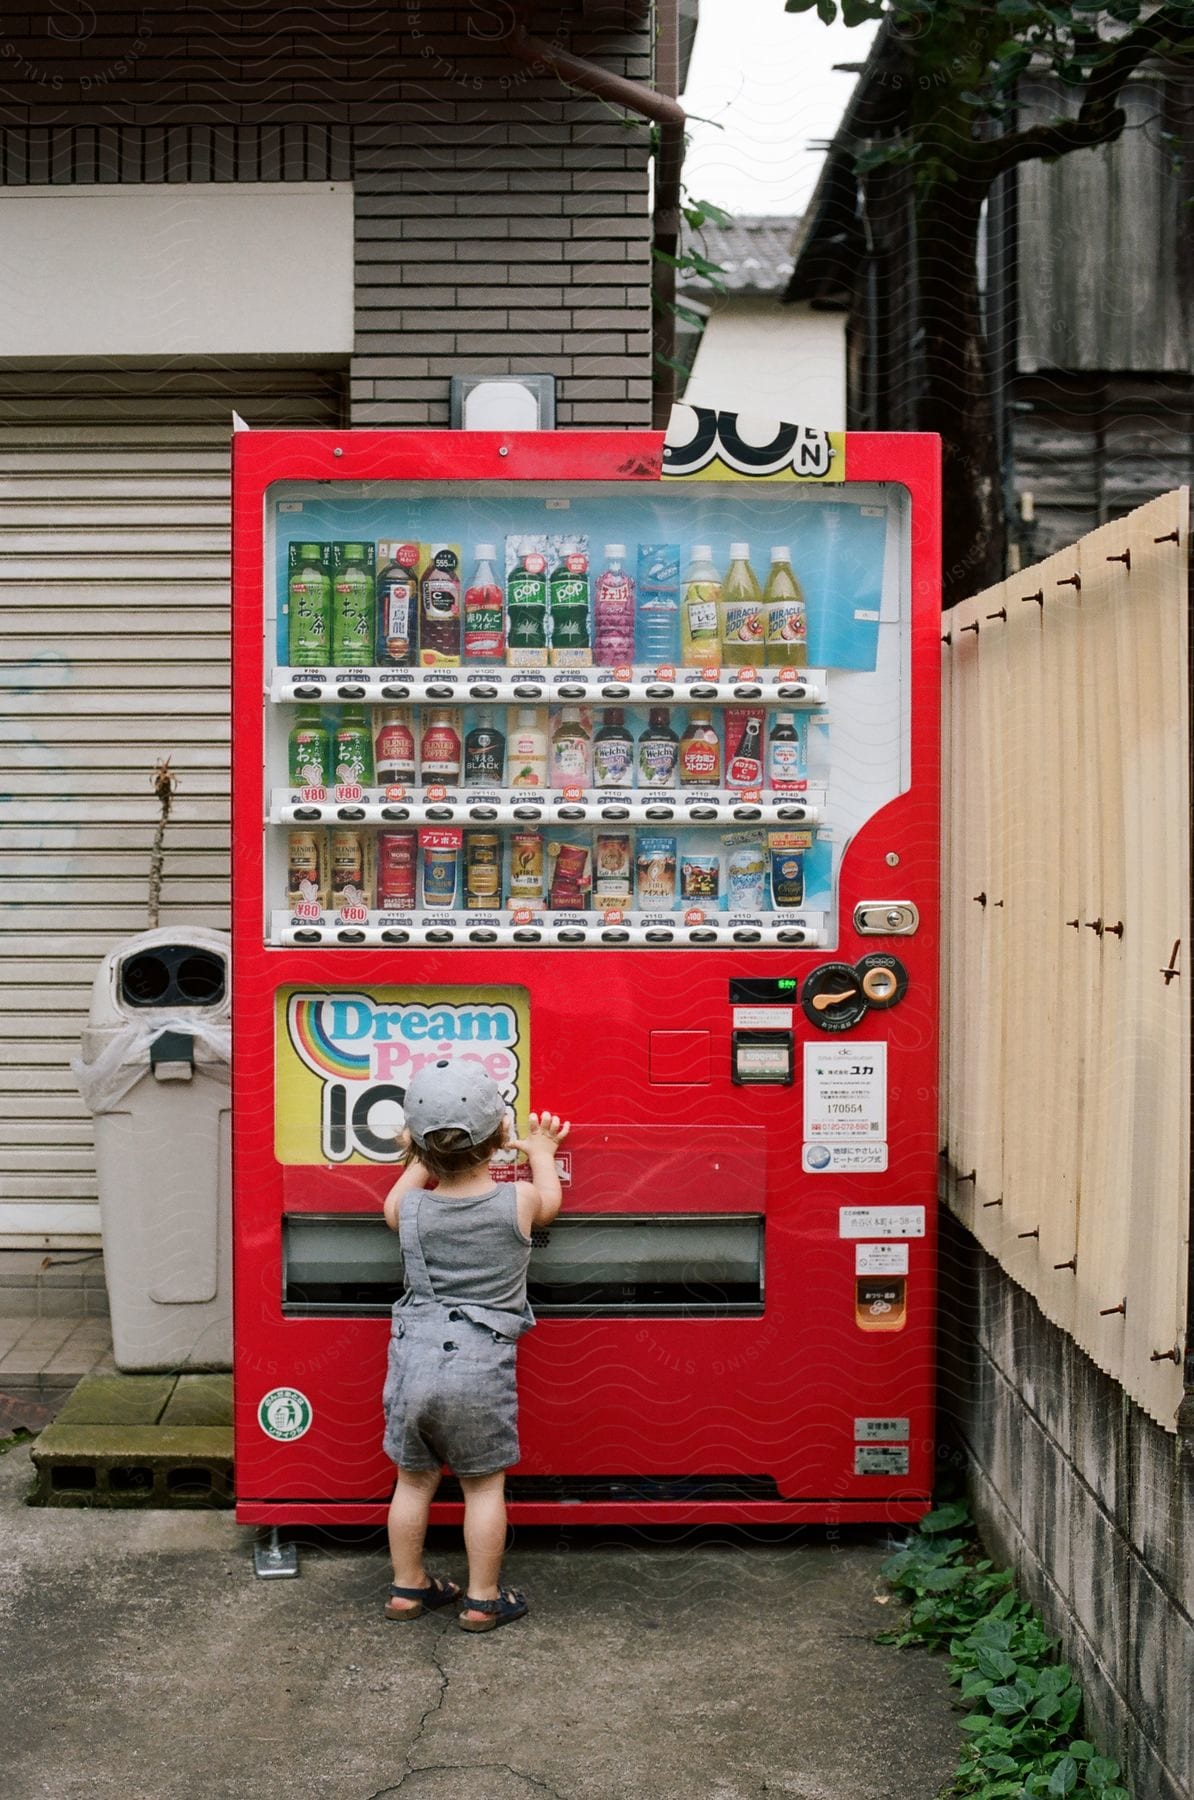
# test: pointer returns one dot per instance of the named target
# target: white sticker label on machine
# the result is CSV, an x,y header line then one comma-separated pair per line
x,y
848,1159
759,1018
881,1221
845,1093
880,1259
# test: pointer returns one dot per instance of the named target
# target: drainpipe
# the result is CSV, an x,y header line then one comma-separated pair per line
x,y
668,115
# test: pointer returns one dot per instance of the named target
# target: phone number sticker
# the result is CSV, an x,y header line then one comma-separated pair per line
x,y
845,1093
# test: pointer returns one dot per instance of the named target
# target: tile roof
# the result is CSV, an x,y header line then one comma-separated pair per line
x,y
755,253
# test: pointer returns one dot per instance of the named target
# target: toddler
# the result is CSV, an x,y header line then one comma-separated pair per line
x,y
450,1393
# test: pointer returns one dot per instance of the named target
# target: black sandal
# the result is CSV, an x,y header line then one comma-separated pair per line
x,y
436,1593
510,1604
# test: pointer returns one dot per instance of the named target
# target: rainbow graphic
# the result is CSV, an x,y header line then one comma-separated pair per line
x,y
305,1025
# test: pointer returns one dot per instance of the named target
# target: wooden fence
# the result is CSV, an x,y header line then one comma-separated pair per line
x,y
1066,1021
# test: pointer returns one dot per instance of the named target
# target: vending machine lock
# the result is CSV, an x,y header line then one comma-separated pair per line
x,y
762,1059
886,918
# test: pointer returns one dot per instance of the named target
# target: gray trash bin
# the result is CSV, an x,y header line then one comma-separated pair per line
x,y
154,1071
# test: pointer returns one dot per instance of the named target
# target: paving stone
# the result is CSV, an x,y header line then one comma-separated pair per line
x,y
200,1400
124,1400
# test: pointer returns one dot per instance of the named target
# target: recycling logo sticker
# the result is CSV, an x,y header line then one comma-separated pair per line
x,y
284,1414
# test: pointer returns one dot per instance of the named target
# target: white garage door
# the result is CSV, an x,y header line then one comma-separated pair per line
x,y
114,560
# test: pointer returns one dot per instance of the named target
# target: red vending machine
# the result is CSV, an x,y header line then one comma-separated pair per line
x,y
610,761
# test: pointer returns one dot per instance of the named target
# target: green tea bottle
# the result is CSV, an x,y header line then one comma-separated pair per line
x,y
353,604
309,616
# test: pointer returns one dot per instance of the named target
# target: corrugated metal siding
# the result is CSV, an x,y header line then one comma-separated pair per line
x,y
1106,274
1067,1075
114,559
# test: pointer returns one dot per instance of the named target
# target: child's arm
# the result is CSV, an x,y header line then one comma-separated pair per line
x,y
539,1199
413,1176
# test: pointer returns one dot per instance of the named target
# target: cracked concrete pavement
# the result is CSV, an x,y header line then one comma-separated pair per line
x,y
142,1660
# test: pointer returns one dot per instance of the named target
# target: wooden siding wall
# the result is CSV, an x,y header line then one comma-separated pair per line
x,y
1066,1097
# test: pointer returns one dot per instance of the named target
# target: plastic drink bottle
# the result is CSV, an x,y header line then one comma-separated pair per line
x,y
658,751
397,588
700,618
484,753
571,751
657,627
568,602
528,750
613,610
613,752
352,749
439,609
394,750
741,611
526,612
353,603
783,754
700,752
484,615
309,607
310,750
783,612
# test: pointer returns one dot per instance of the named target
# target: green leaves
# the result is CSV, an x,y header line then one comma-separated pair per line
x,y
1023,1705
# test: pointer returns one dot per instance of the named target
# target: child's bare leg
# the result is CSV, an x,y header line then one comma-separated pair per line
x,y
484,1534
407,1528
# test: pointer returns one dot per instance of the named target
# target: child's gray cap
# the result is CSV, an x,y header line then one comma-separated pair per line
x,y
453,1096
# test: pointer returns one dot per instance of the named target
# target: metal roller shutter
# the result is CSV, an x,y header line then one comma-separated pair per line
x,y
114,560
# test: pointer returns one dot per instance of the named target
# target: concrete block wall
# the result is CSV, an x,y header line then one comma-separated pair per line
x,y
1091,1503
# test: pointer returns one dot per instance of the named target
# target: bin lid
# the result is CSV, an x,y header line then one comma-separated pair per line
x,y
172,971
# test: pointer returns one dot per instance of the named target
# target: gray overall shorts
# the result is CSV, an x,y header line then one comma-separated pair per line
x,y
450,1394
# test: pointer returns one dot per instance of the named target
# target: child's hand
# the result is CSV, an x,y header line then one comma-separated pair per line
x,y
546,1131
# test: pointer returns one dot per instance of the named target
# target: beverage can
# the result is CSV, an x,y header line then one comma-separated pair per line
x,y
482,869
526,868
397,862
439,852
307,886
571,876
746,870
394,750
439,749
614,874
700,878
786,853
655,871
351,886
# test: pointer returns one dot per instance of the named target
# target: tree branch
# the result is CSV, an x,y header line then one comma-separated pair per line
x,y
1099,120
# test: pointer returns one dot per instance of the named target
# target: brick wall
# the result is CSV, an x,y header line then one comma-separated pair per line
x,y
502,221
